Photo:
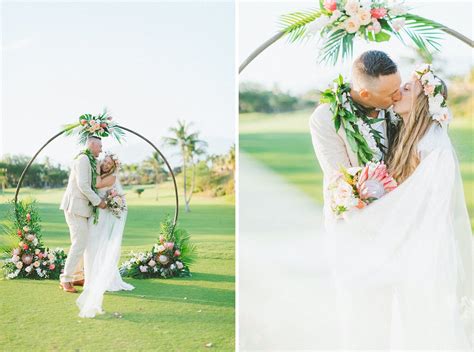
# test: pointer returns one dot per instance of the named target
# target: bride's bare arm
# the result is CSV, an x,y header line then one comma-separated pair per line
x,y
105,182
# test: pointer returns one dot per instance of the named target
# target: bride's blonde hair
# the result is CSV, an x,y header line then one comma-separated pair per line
x,y
403,155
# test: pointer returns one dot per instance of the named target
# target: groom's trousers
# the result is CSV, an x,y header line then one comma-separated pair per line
x,y
79,232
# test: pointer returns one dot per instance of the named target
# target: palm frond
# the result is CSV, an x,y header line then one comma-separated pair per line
x,y
332,47
424,33
294,24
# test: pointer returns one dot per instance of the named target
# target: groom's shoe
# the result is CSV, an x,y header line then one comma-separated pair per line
x,y
78,283
67,287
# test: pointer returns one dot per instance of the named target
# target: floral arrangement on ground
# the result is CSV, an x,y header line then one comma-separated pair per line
x,y
27,256
170,257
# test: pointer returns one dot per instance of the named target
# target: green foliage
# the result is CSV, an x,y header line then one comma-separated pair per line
x,y
139,191
294,24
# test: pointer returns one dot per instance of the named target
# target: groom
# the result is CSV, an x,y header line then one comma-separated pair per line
x,y
77,205
375,86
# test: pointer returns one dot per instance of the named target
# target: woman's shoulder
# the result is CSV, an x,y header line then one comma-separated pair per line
x,y
435,138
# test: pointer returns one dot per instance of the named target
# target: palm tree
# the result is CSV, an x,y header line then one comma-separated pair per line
x,y
190,148
156,163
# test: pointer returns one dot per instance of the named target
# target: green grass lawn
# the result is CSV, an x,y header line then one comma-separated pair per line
x,y
179,314
283,143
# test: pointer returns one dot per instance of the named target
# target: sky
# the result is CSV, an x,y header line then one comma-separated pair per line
x,y
294,67
148,63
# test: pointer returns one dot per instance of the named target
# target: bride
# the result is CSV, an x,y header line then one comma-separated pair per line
x,y
103,249
403,265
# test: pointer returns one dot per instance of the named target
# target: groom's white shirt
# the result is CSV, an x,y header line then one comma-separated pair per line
x,y
332,148
79,191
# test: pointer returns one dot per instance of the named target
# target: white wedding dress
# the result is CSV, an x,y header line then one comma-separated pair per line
x,y
101,259
403,265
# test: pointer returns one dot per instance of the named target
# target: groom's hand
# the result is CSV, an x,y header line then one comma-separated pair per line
x,y
102,205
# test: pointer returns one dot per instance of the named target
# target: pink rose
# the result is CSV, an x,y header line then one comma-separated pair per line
x,y
28,217
330,5
429,89
30,237
177,253
16,251
52,266
169,245
378,13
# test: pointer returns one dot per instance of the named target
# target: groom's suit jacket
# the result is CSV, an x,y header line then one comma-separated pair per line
x,y
332,148
79,195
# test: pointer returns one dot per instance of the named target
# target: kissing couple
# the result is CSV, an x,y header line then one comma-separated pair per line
x,y
398,236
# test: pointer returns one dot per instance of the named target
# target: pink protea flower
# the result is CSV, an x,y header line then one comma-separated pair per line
x,y
27,258
378,13
330,5
374,181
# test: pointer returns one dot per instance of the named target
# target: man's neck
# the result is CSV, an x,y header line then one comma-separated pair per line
x,y
371,112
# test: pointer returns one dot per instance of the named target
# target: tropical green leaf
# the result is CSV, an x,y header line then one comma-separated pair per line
x,y
294,24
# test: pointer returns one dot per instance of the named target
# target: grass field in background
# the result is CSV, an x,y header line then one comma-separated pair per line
x,y
283,143
179,314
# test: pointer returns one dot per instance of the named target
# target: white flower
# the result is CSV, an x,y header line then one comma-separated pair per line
x,y
398,24
15,258
397,10
394,118
428,77
335,16
19,265
160,248
351,25
29,268
143,268
51,257
352,6
179,265
366,4
39,272
172,266
364,16
318,24
435,104
369,138
443,115
152,263
155,269
35,241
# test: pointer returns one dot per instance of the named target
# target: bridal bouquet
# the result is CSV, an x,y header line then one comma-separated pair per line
x,y
115,202
357,187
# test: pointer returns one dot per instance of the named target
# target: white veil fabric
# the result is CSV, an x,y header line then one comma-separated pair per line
x,y
408,255
101,259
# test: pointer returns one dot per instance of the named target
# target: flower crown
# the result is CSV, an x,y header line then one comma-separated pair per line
x,y
433,87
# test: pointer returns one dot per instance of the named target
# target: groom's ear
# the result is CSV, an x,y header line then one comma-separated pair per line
x,y
364,93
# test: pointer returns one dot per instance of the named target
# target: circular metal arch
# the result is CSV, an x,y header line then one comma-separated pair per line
x,y
176,211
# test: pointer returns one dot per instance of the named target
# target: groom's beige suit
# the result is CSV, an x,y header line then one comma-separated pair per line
x,y
333,151
76,204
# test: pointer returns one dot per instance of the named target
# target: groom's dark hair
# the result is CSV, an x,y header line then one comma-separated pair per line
x,y
374,63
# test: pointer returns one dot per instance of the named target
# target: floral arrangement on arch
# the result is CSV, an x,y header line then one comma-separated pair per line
x,y
28,257
171,256
339,21
357,187
89,125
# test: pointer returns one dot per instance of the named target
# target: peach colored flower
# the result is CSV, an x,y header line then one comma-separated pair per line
x,y
429,89
351,25
352,7
364,16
